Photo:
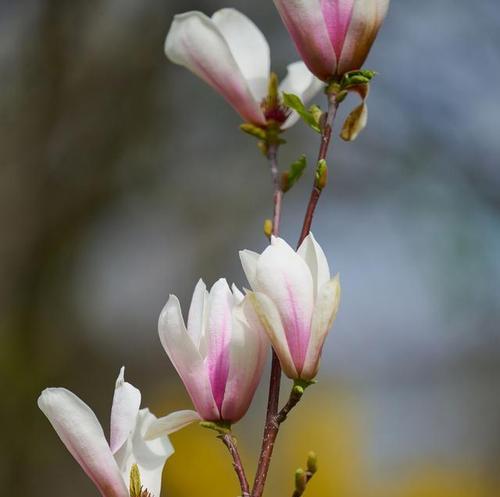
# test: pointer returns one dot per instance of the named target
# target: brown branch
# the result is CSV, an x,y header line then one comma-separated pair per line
x,y
273,418
229,442
326,135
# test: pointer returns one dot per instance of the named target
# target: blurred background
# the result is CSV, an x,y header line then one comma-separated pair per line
x,y
124,178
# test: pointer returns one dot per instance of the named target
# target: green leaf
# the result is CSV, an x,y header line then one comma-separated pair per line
x,y
295,172
252,130
295,103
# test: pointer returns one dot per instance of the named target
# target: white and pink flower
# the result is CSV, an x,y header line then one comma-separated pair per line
x,y
296,300
333,36
219,355
108,465
231,54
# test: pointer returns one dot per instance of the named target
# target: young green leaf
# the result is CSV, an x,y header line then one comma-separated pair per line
x,y
309,116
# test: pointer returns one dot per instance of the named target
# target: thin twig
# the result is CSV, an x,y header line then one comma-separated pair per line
x,y
229,442
326,135
273,418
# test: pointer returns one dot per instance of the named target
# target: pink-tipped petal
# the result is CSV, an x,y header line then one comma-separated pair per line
x,y
219,338
186,359
286,279
325,312
195,42
273,326
301,82
249,48
367,17
81,433
247,354
315,258
337,15
149,455
306,25
171,423
126,404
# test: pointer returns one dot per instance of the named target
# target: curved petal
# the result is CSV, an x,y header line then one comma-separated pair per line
x,y
171,423
249,263
195,42
247,354
367,17
81,433
126,403
271,320
237,294
219,337
337,15
325,312
306,25
197,317
301,82
186,359
150,456
249,48
315,258
286,279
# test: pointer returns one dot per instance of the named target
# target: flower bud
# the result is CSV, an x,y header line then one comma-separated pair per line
x,y
333,36
219,355
296,300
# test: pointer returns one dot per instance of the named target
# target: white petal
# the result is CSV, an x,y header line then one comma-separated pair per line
x,y
325,312
249,48
81,433
171,423
315,258
301,82
285,278
150,456
249,263
126,403
197,318
238,296
247,354
195,42
271,320
186,359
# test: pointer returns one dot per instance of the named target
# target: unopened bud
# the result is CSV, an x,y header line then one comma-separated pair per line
x,y
268,228
321,174
300,480
312,463
135,481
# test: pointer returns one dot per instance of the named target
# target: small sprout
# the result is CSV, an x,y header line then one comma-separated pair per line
x,y
290,177
312,463
321,179
268,228
221,427
135,482
255,131
300,481
309,116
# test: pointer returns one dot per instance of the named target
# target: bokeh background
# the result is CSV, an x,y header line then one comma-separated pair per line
x,y
124,178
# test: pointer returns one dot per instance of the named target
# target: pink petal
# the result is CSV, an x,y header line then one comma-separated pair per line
x,y
186,359
219,337
305,23
247,354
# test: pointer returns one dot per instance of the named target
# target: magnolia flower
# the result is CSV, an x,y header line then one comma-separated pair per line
x,y
231,54
219,355
109,465
296,300
333,36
